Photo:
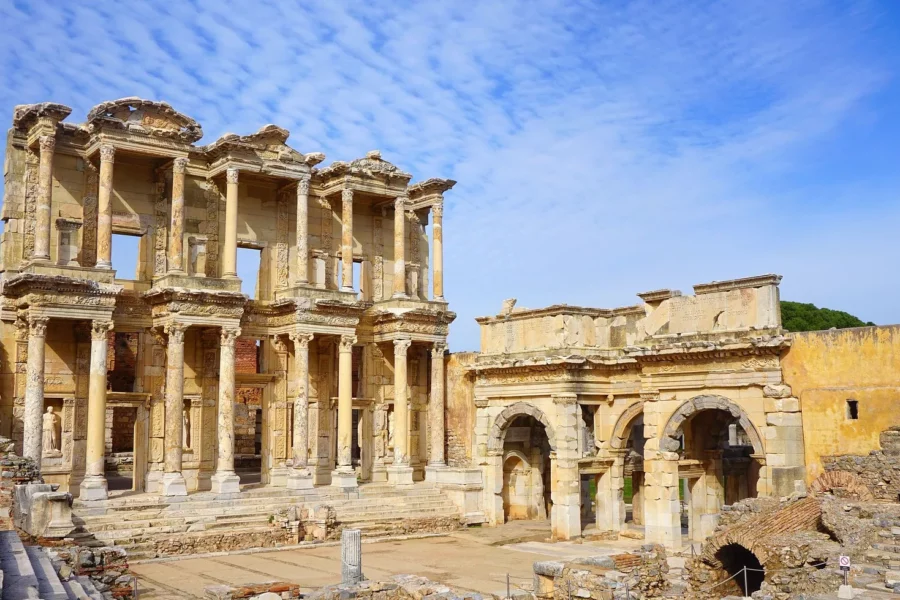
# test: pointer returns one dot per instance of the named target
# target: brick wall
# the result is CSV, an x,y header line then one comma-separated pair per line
x,y
121,361
246,359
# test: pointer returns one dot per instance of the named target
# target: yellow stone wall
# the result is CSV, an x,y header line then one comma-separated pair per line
x,y
825,369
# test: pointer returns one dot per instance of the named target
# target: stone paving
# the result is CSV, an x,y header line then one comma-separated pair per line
x,y
469,560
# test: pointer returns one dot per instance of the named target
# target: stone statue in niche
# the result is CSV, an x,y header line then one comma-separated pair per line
x,y
390,441
50,445
186,429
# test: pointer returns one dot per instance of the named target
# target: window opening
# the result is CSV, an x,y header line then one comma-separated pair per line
x,y
125,252
852,410
248,264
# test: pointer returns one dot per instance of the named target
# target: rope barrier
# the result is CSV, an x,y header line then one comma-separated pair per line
x,y
745,569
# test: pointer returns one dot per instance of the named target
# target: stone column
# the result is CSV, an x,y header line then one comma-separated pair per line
x,y
173,483
303,231
437,230
176,231
565,521
225,481
34,389
344,476
229,259
436,406
94,485
400,473
300,478
104,207
400,247
347,240
45,193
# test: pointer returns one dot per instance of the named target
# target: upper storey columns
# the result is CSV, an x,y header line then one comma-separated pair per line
x,y
176,230
347,240
437,227
42,206
104,207
303,231
400,247
229,259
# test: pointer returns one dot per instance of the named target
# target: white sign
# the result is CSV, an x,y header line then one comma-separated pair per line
x,y
844,562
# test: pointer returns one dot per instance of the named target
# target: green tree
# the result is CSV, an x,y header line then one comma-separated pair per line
x,y
797,316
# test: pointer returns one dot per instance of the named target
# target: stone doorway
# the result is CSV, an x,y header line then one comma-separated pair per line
x,y
126,441
248,433
526,470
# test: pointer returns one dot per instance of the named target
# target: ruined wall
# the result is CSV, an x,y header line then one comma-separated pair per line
x,y
825,369
460,409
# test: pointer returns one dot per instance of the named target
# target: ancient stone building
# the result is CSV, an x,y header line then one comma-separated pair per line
x,y
348,325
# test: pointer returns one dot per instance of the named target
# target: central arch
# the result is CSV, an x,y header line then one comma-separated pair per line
x,y
509,414
672,431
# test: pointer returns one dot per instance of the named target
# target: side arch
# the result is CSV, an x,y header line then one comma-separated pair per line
x,y
669,438
846,480
619,437
501,423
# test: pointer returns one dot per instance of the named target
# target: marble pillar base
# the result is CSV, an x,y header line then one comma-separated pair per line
x,y
173,484
301,479
225,483
400,476
344,478
433,473
93,488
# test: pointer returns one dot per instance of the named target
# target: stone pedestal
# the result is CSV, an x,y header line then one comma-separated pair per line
x,y
400,475
173,484
344,479
301,479
93,488
225,483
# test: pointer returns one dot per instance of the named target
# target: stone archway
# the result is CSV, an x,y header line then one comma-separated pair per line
x,y
669,438
850,483
503,420
628,460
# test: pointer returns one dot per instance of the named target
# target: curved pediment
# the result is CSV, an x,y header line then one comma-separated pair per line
x,y
146,116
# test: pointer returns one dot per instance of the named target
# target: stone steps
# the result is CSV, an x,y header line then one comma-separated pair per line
x,y
140,523
29,573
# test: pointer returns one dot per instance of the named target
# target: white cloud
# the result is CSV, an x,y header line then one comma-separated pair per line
x,y
601,149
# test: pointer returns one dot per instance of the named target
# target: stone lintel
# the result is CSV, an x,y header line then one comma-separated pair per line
x,y
735,284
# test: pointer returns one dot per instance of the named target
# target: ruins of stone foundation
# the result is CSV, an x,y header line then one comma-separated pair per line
x,y
329,399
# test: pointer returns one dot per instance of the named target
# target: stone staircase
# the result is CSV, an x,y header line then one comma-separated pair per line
x,y
27,572
883,558
138,523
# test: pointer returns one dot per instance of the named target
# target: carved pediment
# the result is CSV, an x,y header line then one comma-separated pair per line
x,y
24,115
372,165
145,116
268,143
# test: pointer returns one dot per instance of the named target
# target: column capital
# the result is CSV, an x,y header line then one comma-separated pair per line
x,y
47,143
231,175
303,185
401,346
347,195
301,339
37,326
175,331
228,335
347,342
438,349
437,210
179,164
107,153
400,202
100,330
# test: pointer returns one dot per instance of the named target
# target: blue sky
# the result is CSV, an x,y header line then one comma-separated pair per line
x,y
602,149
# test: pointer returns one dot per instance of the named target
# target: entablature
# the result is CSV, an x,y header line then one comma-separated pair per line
x,y
195,307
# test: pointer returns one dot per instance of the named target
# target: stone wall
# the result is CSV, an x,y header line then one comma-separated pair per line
x,y
460,409
825,370
879,470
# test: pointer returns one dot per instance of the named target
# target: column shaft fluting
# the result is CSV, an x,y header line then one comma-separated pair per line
x,y
44,197
300,441
401,406
104,207
437,232
176,230
225,481
34,389
345,401
400,247
229,259
347,240
174,443
303,231
436,405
